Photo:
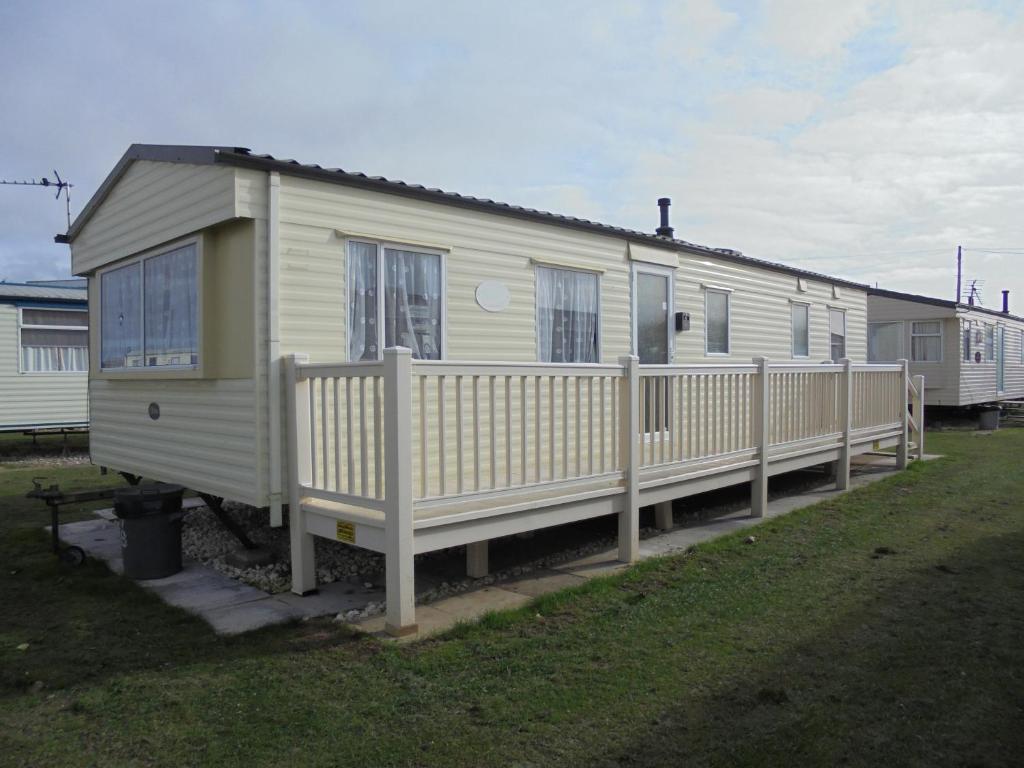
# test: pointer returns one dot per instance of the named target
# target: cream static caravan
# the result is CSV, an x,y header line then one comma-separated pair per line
x,y
44,341
968,354
410,369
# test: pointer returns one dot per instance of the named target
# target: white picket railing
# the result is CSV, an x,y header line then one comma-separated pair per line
x,y
397,436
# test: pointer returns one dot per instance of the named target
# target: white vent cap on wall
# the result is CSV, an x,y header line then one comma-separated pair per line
x,y
492,295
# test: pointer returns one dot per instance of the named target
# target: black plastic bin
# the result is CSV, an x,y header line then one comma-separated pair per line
x,y
150,529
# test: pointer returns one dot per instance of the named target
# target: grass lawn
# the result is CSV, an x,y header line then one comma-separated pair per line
x,y
885,627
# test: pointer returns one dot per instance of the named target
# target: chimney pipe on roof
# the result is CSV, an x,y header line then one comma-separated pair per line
x,y
664,230
1006,302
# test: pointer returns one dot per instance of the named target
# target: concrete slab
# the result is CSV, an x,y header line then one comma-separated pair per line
x,y
544,581
235,619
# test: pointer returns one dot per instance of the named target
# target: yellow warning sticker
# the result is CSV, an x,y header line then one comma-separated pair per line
x,y
346,532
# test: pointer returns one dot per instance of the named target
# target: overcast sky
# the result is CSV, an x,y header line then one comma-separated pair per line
x,y
861,139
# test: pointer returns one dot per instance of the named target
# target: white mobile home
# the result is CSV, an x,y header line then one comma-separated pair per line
x,y
968,354
535,345
44,356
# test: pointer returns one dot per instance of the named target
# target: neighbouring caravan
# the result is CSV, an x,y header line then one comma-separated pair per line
x,y
410,369
968,354
44,356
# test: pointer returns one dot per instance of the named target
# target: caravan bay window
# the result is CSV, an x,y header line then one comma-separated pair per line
x,y
149,312
567,316
395,298
54,340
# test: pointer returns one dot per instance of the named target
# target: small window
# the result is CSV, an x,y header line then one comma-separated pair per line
x,y
567,316
716,324
799,314
149,312
967,341
837,334
1022,346
990,343
54,340
885,342
926,341
395,298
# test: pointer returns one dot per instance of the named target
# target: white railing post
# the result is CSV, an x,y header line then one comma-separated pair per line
x,y
845,423
919,414
762,394
300,472
629,440
902,450
398,557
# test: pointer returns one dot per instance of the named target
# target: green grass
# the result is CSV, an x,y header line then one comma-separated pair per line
x,y
886,626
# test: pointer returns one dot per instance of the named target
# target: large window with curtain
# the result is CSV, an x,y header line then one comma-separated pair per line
x,y
395,299
149,312
837,334
567,316
926,341
885,342
54,340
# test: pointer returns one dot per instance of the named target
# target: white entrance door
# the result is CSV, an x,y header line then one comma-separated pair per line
x,y
652,314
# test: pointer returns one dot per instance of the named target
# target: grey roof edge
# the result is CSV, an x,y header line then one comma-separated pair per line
x,y
918,299
244,158
30,292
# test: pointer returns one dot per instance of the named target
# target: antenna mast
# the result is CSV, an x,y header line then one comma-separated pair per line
x,y
60,185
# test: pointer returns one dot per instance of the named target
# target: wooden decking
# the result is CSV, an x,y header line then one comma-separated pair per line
x,y
404,457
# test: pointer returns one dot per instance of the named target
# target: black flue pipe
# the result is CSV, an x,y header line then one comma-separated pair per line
x,y
664,230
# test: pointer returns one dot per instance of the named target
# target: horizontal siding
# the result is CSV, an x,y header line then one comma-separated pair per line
x,y
153,203
36,399
978,381
316,216
205,438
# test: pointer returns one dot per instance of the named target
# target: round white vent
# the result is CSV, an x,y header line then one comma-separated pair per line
x,y
492,295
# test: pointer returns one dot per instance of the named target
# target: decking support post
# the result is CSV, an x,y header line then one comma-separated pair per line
x,y
762,395
919,415
398,535
845,423
663,516
476,559
902,450
629,437
300,472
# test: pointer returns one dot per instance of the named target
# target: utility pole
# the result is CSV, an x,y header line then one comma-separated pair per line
x,y
959,271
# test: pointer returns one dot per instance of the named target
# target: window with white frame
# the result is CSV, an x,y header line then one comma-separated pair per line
x,y
567,316
149,312
966,341
800,325
395,299
926,341
990,343
54,340
716,321
1022,346
885,342
837,334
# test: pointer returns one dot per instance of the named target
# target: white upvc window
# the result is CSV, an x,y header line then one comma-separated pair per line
x,y
990,343
966,341
800,329
568,316
926,341
837,333
717,321
885,342
150,311
53,340
1022,346
396,298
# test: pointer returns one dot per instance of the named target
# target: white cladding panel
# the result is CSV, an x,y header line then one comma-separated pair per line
x,y
151,204
317,217
36,399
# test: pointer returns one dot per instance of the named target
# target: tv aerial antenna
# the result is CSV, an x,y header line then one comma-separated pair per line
x,y
62,187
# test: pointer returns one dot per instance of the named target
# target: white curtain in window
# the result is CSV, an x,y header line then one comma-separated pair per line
x,y
362,302
926,342
48,359
567,316
885,342
171,304
121,317
412,307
